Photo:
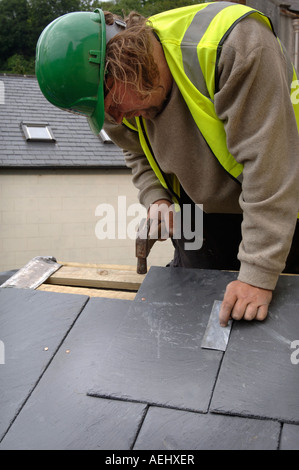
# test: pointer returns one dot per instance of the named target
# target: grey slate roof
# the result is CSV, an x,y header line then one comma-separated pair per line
x,y
75,146
80,373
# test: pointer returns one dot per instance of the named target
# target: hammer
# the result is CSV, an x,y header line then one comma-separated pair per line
x,y
143,245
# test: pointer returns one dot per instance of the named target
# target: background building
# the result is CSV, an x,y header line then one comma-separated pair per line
x,y
55,177
285,18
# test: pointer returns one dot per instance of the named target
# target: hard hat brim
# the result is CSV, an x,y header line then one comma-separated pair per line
x,y
96,121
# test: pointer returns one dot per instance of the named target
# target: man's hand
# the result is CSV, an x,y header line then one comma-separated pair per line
x,y
161,215
242,300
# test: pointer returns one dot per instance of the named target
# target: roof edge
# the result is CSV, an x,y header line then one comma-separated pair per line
x,y
5,74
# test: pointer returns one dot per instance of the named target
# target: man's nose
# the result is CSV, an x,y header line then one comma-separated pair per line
x,y
116,115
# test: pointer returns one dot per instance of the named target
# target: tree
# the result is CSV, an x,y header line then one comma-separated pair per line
x,y
145,7
17,64
152,7
22,21
13,28
42,12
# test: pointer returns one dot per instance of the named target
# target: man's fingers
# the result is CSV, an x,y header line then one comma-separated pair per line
x,y
169,221
239,310
225,312
250,312
158,231
161,218
154,228
254,312
243,301
262,312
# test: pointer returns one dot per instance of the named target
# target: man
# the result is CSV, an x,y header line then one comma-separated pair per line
x,y
201,101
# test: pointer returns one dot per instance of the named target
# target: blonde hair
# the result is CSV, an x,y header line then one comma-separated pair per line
x,y
129,56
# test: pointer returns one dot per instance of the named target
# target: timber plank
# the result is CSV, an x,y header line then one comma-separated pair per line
x,y
122,267
87,276
91,292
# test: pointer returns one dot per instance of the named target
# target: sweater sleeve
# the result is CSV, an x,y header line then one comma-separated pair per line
x,y
254,102
143,177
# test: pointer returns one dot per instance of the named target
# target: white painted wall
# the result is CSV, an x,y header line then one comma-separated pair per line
x,y
52,212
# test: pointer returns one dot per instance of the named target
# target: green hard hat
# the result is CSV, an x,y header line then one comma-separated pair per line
x,y
70,62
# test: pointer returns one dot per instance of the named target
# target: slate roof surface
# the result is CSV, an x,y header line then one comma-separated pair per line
x,y
110,374
76,146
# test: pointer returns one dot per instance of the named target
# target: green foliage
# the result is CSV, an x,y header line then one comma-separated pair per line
x,y
42,12
22,21
17,64
145,7
13,28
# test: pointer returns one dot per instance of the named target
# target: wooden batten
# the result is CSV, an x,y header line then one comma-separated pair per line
x,y
95,280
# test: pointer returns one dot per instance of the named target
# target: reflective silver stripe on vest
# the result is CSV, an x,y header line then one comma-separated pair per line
x,y
289,65
197,29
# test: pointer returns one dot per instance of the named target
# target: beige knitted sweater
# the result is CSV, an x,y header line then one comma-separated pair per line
x,y
254,103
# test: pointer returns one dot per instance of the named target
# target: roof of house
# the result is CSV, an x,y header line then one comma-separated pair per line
x,y
99,373
22,101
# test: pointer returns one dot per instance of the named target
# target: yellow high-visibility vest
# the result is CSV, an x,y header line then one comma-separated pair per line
x,y
192,39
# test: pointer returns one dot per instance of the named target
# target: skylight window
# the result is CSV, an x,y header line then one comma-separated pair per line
x,y
38,132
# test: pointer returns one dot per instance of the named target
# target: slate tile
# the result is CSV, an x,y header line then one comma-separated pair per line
x,y
166,429
59,414
196,288
257,376
29,322
289,437
74,422
6,275
156,358
156,354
